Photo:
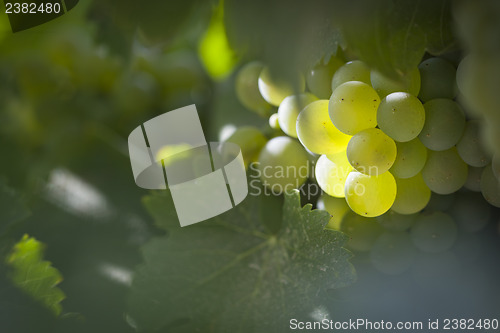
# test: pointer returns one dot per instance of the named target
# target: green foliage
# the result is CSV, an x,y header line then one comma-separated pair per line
x,y
232,274
392,36
12,208
35,276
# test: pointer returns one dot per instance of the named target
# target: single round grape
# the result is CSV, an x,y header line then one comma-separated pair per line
x,y
437,79
393,253
289,110
362,231
370,196
283,164
473,182
355,70
251,140
247,88
337,207
434,232
470,148
331,176
471,211
410,159
385,85
353,107
316,131
490,187
412,196
371,152
396,222
319,79
273,121
444,172
275,89
444,124
401,116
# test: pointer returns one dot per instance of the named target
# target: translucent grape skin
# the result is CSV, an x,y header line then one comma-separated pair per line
x,y
371,152
283,164
410,159
319,78
370,196
401,116
275,89
444,124
470,148
251,140
247,89
362,231
355,70
316,131
412,195
273,121
385,85
289,110
473,182
353,107
438,79
337,207
490,186
444,172
331,177
434,232
393,253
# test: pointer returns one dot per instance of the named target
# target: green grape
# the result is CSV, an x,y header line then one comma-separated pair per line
x,y
437,78
410,159
362,231
319,79
412,196
470,148
283,164
434,232
337,207
396,222
250,140
385,85
331,176
247,88
316,131
273,121
440,202
355,70
401,116
495,165
473,182
353,107
289,110
371,152
274,89
444,124
393,253
370,196
490,187
444,172
471,212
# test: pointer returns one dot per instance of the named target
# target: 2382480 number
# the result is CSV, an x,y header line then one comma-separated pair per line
x,y
470,324
32,8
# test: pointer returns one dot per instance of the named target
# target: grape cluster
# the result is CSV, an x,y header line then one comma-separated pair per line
x,y
378,143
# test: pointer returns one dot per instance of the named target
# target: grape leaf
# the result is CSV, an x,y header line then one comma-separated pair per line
x,y
35,276
232,274
392,36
